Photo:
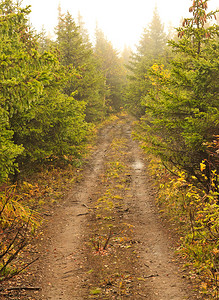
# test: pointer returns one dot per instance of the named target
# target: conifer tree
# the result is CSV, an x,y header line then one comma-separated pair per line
x,y
77,54
126,55
156,34
150,49
112,70
45,42
183,109
125,58
37,120
82,29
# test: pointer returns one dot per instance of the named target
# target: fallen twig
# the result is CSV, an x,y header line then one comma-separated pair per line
x,y
82,214
85,205
107,241
19,271
18,288
152,275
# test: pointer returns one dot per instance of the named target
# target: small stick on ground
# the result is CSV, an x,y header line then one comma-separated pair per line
x,y
108,239
27,288
152,275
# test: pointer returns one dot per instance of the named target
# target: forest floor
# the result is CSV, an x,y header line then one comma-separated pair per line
x,y
107,239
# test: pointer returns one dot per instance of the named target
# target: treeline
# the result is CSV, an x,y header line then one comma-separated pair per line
x,y
52,91
173,90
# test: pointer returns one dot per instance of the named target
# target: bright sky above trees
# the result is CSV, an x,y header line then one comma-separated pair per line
x,y
121,20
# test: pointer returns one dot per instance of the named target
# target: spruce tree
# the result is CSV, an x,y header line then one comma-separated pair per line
x,y
112,70
157,36
182,108
82,29
150,49
37,120
77,56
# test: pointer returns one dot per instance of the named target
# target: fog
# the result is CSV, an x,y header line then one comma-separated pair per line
x,y
121,20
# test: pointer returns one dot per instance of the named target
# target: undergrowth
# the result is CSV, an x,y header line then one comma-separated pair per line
x,y
24,206
17,226
195,214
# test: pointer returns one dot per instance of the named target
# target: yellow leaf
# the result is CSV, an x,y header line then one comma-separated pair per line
x,y
204,285
215,251
202,166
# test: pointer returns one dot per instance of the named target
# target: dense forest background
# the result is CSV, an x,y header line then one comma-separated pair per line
x,y
54,93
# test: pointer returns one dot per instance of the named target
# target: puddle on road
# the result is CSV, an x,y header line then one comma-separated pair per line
x,y
138,165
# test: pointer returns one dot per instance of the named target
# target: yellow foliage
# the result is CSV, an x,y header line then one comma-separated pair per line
x,y
202,166
12,208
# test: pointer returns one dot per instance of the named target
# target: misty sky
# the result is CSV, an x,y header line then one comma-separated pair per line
x,y
121,20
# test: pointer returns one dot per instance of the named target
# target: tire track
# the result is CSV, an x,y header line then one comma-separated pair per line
x,y
63,258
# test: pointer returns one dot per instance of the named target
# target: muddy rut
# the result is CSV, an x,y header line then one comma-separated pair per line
x,y
107,240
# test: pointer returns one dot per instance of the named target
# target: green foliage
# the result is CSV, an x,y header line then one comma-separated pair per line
x,y
72,49
195,214
194,33
180,126
76,51
37,119
38,122
113,73
11,17
58,131
182,108
95,291
8,150
45,42
151,48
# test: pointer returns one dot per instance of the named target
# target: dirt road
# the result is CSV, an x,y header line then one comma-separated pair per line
x,y
107,240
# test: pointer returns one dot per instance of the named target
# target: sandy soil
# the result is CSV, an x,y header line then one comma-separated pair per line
x,y
107,240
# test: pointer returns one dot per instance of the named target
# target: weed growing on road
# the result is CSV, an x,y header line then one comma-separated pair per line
x,y
111,238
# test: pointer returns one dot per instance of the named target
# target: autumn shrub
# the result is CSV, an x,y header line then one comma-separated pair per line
x,y
17,225
195,214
